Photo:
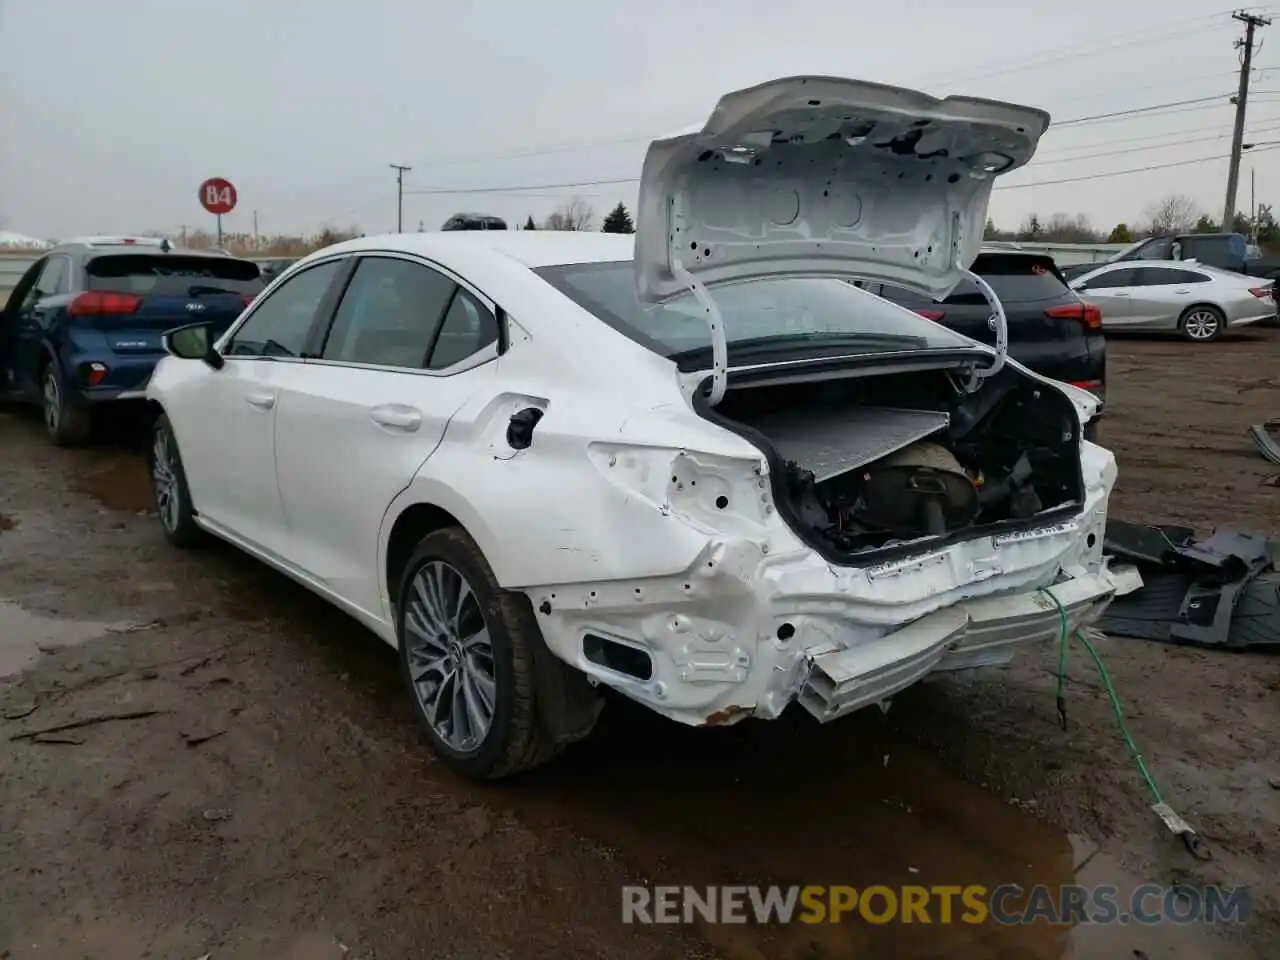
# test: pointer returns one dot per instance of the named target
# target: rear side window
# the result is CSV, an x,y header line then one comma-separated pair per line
x,y
468,328
172,275
1164,276
389,314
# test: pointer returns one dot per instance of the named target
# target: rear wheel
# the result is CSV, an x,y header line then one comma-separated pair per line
x,y
467,653
1202,324
66,421
169,484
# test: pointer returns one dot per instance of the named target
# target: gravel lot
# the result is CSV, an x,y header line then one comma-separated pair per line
x,y
279,802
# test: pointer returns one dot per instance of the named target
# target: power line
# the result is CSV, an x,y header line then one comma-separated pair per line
x,y
1143,139
1176,142
614,181
1117,114
541,186
1125,173
1087,48
1074,51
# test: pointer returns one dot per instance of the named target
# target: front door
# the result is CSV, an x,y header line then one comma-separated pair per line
x,y
25,325
407,348
227,426
1111,292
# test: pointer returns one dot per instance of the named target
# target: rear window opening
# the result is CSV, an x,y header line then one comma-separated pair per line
x,y
173,275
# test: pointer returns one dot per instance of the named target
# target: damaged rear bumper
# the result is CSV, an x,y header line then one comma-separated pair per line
x,y
976,633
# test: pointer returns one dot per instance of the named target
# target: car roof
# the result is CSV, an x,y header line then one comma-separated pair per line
x,y
533,248
106,246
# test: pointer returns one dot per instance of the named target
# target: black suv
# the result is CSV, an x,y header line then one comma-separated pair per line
x,y
474,221
1051,330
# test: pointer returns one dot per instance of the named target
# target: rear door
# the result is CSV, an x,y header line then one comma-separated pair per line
x,y
1158,295
408,346
32,316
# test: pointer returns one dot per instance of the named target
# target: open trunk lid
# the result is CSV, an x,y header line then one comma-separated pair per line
x,y
826,176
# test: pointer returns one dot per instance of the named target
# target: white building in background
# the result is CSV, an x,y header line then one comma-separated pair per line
x,y
20,241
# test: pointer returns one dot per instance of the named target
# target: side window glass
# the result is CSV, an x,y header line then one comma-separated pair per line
x,y
46,282
468,328
1156,277
1115,278
279,326
1161,249
1187,276
389,314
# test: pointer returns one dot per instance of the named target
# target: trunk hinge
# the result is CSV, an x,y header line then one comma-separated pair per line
x,y
715,324
977,374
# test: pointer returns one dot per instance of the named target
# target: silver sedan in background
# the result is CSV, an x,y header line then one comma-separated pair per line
x,y
1182,297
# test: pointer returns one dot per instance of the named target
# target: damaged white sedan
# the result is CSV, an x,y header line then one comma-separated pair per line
x,y
701,469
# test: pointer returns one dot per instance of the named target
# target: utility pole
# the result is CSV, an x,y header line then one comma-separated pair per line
x,y
400,169
1251,24
255,230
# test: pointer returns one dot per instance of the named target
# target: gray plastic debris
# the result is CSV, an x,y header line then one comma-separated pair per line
x,y
1220,591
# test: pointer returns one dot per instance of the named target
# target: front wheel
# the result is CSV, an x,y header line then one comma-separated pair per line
x,y
66,421
1202,324
467,654
169,485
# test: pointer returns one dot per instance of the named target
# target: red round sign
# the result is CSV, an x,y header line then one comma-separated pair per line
x,y
218,195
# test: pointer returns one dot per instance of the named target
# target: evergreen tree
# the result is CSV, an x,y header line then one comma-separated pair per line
x,y
618,220
529,224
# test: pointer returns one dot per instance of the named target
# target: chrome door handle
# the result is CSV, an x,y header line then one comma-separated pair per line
x,y
395,416
1182,291
263,401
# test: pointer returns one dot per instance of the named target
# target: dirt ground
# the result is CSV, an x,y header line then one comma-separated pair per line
x,y
272,799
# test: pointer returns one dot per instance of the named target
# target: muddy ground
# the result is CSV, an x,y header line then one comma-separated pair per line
x,y
279,804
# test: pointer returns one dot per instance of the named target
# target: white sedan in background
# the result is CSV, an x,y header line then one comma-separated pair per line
x,y
1182,297
698,468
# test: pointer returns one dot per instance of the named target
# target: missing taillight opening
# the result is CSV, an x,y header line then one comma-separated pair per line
x,y
98,302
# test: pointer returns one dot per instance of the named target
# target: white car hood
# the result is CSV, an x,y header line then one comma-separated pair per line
x,y
822,176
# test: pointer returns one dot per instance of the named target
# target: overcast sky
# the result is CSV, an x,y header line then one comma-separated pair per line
x,y
113,111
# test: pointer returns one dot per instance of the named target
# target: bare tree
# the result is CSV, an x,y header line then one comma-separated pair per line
x,y
1065,228
576,214
1174,214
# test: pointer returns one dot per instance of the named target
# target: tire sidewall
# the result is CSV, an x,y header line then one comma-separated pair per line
x,y
1218,315
186,531
51,374
453,547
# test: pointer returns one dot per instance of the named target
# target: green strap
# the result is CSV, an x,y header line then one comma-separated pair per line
x,y
1106,682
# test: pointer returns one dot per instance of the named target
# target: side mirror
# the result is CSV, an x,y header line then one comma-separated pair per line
x,y
193,342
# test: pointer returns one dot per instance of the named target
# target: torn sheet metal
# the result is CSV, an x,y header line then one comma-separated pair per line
x,y
1220,591
834,441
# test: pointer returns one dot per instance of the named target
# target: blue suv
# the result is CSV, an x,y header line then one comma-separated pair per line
x,y
83,325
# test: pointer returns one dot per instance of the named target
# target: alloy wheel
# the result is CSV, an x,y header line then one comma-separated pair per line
x,y
52,401
164,474
1201,325
450,656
